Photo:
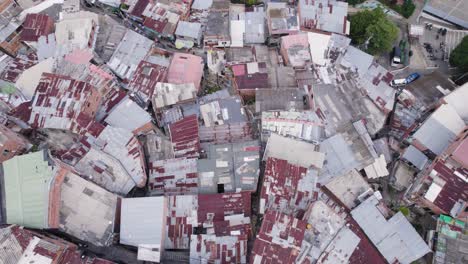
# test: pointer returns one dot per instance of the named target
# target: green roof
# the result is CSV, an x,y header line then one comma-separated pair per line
x,y
27,180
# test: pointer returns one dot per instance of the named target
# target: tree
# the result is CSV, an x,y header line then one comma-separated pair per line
x,y
373,26
355,2
459,56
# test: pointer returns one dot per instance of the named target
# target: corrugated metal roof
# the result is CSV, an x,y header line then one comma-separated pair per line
x,y
415,157
326,15
143,221
280,238
130,51
188,29
218,249
255,26
297,152
27,181
396,238
128,115
440,129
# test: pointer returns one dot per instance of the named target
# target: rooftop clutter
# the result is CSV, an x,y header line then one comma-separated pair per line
x,y
179,133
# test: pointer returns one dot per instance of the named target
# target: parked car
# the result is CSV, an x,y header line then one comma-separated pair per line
x,y
398,82
412,77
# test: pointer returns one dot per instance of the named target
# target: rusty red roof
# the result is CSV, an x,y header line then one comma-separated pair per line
x,y
145,78
216,210
454,189
279,239
285,188
61,102
139,8
185,138
173,176
36,25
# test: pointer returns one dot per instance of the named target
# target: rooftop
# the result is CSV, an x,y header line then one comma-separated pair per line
x,y
131,50
395,238
304,125
279,99
189,29
223,249
280,237
146,78
452,11
185,68
294,154
325,15
255,26
36,25
232,167
27,181
287,188
167,94
143,221
128,115
173,176
348,188
440,129
282,19
61,102
223,111
185,138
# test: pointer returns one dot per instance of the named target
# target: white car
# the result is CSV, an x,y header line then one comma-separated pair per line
x,y
398,82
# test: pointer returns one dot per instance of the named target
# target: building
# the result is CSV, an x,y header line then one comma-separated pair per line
x,y
324,15
35,26
111,157
237,24
441,186
188,34
181,220
295,151
304,125
146,79
230,168
282,19
222,111
349,188
128,115
249,77
173,176
446,123
218,249
449,238
280,99
395,237
279,239
86,211
451,11
10,41
287,188
61,102
255,26
11,143
20,245
27,183
186,68
217,29
109,36
167,94
143,223
295,50
77,32
131,50
185,138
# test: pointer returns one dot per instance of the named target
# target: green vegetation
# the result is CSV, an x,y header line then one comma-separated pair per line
x,y
8,89
373,26
405,211
247,2
459,56
355,2
406,9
